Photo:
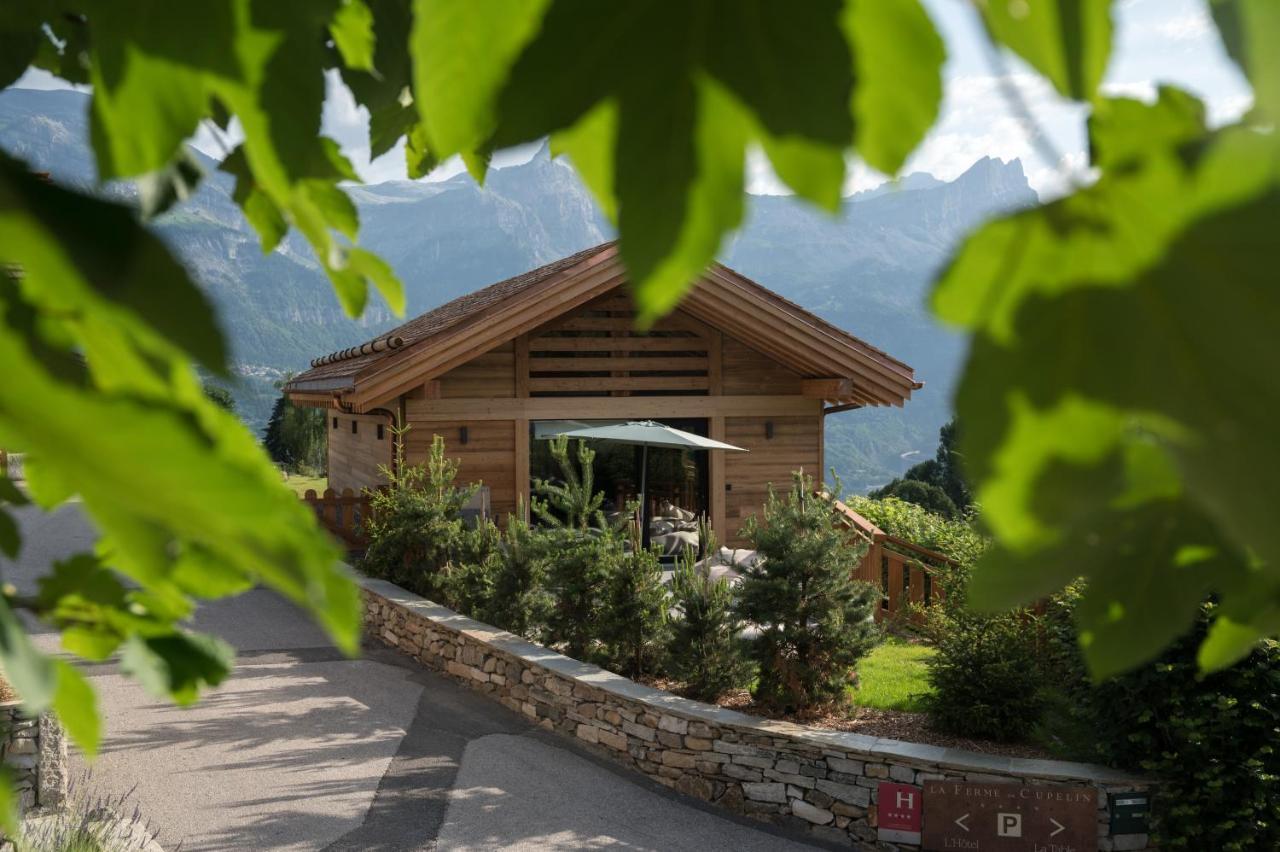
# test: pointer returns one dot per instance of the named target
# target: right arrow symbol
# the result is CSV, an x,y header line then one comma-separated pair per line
x,y
960,822
1060,827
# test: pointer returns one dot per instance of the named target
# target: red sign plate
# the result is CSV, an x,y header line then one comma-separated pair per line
x,y
898,809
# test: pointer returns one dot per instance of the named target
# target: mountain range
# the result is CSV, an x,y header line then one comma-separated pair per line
x,y
867,270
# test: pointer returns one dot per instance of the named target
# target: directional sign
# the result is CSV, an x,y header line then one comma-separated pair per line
x,y
962,815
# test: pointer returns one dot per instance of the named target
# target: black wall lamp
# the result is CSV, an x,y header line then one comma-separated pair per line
x,y
463,436
768,430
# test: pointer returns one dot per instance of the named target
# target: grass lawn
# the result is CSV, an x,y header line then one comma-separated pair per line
x,y
300,484
893,677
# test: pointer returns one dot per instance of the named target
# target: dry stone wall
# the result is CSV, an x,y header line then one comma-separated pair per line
x,y
823,783
35,750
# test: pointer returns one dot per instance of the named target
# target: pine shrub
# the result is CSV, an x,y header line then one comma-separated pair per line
x,y
415,529
520,601
634,624
815,620
707,651
585,550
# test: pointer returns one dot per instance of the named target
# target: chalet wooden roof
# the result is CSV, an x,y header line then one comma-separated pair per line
x,y
469,326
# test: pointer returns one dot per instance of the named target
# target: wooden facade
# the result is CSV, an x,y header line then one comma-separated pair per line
x,y
562,343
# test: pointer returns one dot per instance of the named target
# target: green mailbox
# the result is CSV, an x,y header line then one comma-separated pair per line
x,y
1129,812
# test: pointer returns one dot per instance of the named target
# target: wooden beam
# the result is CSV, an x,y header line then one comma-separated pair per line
x,y
522,365
716,496
522,464
836,388
612,408
715,364
303,399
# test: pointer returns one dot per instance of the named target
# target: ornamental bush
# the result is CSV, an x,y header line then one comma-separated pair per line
x,y
986,674
1213,742
814,619
707,651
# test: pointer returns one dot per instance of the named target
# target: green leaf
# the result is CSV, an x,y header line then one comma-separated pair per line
x,y
139,384
352,30
149,88
77,708
815,172
589,145
665,255
29,672
747,69
898,57
1249,29
387,125
1122,224
259,209
9,822
10,537
94,643
1228,642
11,493
419,161
1147,571
378,271
20,41
1068,41
178,665
176,182
91,254
463,53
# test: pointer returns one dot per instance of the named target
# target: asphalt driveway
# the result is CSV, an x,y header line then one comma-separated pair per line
x,y
302,749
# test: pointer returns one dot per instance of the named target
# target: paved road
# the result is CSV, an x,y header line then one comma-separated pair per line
x,y
302,749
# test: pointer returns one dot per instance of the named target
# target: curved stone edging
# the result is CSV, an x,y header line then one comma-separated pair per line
x,y
824,782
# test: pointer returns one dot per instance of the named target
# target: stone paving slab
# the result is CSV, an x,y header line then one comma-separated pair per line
x,y
524,794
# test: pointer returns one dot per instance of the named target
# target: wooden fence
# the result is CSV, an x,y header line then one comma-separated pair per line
x,y
905,572
342,514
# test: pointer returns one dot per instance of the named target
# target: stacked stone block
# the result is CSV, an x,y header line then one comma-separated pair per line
x,y
35,751
822,783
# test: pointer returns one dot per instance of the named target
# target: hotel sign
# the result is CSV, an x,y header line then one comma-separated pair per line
x,y
977,817
898,808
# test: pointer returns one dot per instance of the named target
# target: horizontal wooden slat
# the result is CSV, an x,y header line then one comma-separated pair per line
x,y
605,383
588,363
617,344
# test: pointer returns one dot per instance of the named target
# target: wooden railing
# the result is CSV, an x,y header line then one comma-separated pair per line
x,y
342,514
905,572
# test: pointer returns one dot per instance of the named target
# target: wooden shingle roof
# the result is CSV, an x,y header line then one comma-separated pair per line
x,y
470,325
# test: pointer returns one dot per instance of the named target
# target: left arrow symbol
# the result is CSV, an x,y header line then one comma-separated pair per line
x,y
960,821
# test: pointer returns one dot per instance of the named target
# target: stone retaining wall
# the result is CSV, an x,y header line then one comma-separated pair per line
x,y
820,782
35,751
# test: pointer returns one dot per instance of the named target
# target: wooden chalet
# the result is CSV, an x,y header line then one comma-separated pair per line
x,y
496,371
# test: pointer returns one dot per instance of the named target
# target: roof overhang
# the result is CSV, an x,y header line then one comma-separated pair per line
x,y
837,367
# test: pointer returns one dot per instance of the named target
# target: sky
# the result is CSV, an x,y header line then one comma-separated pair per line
x,y
1156,41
